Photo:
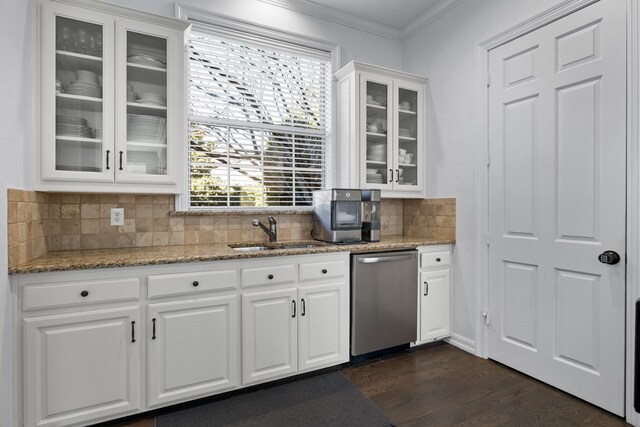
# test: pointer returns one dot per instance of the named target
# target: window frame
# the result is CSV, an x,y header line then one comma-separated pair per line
x,y
234,28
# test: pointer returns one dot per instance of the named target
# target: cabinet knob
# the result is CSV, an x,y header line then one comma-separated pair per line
x,y
84,293
270,277
324,271
196,283
438,260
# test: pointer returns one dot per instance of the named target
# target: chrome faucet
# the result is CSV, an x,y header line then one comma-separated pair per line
x,y
272,231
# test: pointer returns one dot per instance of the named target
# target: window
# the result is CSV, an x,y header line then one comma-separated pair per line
x,y
259,121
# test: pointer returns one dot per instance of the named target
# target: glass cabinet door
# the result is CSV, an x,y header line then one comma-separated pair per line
x,y
142,91
377,145
77,86
408,146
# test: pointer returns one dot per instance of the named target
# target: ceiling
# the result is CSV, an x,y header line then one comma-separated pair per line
x,y
397,14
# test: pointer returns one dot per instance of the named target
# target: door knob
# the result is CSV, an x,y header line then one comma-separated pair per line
x,y
609,257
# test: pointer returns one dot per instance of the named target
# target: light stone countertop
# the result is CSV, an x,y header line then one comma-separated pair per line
x,y
130,257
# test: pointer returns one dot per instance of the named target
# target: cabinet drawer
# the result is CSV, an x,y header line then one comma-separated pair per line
x,y
434,259
274,275
187,283
322,270
52,295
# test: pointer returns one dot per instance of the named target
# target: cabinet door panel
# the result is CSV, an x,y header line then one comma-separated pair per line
x,y
409,135
193,348
80,367
323,326
434,304
269,335
77,94
148,103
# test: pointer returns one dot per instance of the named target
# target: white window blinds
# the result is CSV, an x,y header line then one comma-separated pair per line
x,y
258,123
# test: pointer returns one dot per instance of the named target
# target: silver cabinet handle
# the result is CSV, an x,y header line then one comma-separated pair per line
x,y
375,260
426,289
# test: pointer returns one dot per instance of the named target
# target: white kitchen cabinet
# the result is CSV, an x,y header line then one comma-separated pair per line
x,y
81,366
323,339
269,335
381,130
434,312
111,95
295,329
193,348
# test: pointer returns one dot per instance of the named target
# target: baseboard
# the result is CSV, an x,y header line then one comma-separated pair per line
x,y
462,343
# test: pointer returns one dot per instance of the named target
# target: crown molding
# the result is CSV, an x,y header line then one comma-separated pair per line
x,y
338,17
429,17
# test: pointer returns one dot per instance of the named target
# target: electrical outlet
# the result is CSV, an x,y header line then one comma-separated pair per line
x,y
117,216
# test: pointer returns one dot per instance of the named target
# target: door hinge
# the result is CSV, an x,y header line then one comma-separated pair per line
x,y
486,239
485,315
488,80
488,160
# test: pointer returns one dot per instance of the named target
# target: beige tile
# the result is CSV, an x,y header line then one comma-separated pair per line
x,y
144,210
192,223
12,212
284,234
234,222
43,211
129,210
70,226
220,236
160,224
446,210
206,223
234,236
69,211
14,195
108,199
52,227
38,247
147,200
176,223
105,209
162,200
38,229
54,211
144,239
90,199
205,237
126,198
128,227
220,223
90,211
160,211
54,198
445,221
70,199
191,237
70,242
90,241
144,225
160,238
176,237
247,236
107,228
17,233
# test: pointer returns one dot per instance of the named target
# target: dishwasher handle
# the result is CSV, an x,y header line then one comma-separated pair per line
x,y
376,260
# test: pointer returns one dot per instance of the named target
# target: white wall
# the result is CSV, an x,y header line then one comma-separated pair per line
x,y
445,52
15,156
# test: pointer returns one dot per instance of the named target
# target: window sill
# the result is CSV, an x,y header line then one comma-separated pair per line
x,y
243,212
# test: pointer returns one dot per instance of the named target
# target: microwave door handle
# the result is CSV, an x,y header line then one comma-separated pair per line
x,y
376,260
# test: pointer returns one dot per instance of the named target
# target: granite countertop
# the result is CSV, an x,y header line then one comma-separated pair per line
x,y
130,257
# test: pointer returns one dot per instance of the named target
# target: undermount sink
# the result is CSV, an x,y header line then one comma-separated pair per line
x,y
271,248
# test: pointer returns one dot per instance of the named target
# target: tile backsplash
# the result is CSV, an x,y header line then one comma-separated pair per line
x,y
41,222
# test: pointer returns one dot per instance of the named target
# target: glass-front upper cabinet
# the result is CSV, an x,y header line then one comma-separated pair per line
x,y
377,132
77,90
112,99
144,91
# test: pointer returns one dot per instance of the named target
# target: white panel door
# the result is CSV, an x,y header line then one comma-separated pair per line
x,y
434,305
557,201
79,367
269,335
193,348
323,327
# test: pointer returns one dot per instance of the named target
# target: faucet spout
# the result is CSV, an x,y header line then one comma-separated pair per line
x,y
272,231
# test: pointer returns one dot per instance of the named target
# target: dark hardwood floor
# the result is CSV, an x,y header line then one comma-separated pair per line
x,y
441,385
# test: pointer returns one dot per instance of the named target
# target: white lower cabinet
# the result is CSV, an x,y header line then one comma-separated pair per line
x,y
269,335
81,366
193,348
95,345
434,312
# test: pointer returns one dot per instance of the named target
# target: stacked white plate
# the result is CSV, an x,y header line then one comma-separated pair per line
x,y
376,152
146,60
150,98
143,128
82,88
73,126
374,178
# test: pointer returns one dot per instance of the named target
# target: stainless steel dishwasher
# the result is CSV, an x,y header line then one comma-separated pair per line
x,y
384,300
